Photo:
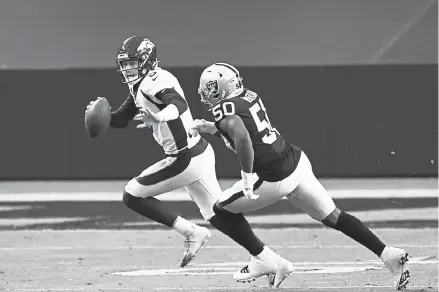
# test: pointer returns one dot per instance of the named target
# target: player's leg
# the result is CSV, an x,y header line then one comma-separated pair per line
x,y
206,191
166,175
234,203
313,198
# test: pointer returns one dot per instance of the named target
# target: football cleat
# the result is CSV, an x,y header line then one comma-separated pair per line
x,y
260,265
395,259
284,269
193,243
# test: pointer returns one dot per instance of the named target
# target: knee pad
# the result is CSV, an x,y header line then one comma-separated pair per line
x,y
220,211
207,211
332,219
344,217
218,208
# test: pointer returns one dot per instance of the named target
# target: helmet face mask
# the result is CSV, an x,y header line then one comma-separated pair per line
x,y
136,57
129,70
209,94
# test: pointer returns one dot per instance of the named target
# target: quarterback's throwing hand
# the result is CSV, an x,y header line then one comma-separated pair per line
x,y
92,102
147,117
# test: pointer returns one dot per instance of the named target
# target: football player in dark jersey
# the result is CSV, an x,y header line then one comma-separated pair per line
x,y
272,168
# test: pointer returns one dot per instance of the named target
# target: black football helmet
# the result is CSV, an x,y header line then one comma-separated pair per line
x,y
135,58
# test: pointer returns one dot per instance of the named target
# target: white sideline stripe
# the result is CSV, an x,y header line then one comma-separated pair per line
x,y
130,247
300,268
210,288
180,195
229,271
425,260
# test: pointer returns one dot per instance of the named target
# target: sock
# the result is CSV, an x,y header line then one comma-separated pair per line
x,y
183,226
150,208
356,230
237,228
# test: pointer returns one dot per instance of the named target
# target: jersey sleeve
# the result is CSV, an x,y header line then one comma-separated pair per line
x,y
226,108
125,113
171,96
161,89
157,81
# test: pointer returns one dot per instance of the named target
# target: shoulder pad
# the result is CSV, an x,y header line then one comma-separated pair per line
x,y
156,81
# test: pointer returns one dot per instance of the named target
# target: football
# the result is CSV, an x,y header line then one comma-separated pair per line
x,y
97,117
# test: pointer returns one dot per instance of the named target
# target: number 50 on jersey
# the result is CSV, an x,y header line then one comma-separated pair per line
x,y
263,125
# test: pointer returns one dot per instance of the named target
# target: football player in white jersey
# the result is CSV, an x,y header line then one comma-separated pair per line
x,y
157,100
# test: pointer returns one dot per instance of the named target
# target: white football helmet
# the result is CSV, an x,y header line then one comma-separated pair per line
x,y
217,82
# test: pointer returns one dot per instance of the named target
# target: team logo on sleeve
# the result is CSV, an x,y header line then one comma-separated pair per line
x,y
249,96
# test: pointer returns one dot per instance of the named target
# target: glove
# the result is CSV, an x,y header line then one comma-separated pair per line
x,y
248,185
202,126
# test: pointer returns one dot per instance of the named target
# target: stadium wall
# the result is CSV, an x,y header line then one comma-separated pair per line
x,y
352,121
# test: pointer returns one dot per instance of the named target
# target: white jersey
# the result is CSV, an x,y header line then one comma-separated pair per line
x,y
171,135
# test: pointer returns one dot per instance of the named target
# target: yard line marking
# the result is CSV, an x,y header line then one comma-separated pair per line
x,y
414,260
299,268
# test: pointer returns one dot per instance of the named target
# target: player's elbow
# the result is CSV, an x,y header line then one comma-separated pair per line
x,y
171,96
118,121
180,104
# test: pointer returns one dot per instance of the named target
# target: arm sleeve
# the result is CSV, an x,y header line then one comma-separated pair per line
x,y
125,113
171,96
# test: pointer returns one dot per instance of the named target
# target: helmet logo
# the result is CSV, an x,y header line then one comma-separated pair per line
x,y
122,56
145,47
211,85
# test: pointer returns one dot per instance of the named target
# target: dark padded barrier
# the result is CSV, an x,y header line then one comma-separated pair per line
x,y
352,121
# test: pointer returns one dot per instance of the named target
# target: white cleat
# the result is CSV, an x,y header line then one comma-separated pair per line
x,y
283,271
260,265
395,259
193,243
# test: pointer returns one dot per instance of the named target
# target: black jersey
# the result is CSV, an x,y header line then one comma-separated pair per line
x,y
274,158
